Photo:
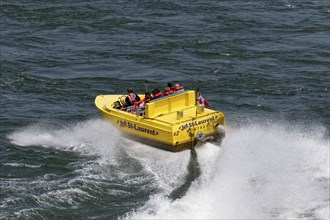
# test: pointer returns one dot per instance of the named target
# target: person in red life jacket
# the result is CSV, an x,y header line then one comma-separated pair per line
x,y
147,98
156,94
178,88
171,87
168,91
131,97
140,104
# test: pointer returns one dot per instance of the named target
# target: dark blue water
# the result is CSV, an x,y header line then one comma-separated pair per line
x,y
265,64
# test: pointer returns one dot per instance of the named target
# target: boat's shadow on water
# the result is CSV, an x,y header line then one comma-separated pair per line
x,y
193,173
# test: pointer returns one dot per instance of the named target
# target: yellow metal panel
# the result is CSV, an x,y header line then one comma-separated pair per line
x,y
170,103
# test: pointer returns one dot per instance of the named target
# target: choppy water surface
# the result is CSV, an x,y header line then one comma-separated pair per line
x,y
265,64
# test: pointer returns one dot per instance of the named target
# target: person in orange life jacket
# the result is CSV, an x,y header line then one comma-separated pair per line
x,y
168,91
156,94
178,88
131,97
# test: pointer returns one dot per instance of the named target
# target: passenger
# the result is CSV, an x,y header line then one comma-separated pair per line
x,y
140,104
178,88
168,91
131,97
170,86
156,94
147,98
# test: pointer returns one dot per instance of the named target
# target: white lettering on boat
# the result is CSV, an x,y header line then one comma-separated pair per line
x,y
133,126
195,123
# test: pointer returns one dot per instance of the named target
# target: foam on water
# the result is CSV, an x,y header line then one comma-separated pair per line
x,y
88,136
121,165
263,172
168,168
20,165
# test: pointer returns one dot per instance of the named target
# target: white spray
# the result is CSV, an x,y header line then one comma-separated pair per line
x,y
263,172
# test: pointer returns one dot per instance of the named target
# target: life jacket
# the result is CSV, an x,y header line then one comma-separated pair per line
x,y
146,100
137,103
143,102
179,88
168,92
132,97
157,95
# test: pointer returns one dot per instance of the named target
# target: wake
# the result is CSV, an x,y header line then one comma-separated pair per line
x,y
263,171
94,136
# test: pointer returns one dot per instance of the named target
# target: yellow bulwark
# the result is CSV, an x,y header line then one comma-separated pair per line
x,y
172,122
170,104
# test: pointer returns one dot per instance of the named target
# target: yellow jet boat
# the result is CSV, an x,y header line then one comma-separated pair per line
x,y
174,122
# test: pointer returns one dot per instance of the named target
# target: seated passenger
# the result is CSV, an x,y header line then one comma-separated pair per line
x,y
156,94
170,86
168,91
139,106
131,97
147,98
178,88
